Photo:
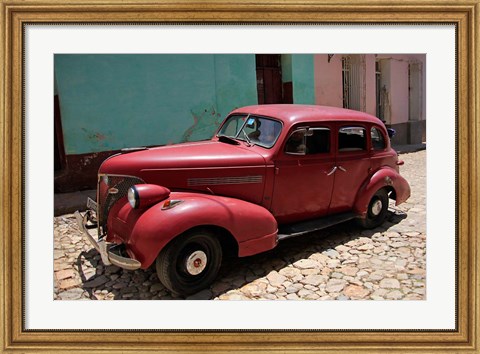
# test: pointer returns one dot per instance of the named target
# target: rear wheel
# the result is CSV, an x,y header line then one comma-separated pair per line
x,y
377,210
190,262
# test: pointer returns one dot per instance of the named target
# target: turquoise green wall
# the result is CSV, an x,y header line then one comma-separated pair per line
x,y
113,101
286,60
303,79
298,69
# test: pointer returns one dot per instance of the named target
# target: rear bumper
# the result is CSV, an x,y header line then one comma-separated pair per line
x,y
103,248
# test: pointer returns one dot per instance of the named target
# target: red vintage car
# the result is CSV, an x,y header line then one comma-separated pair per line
x,y
270,172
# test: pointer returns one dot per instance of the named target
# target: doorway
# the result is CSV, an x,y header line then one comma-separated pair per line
x,y
58,148
269,78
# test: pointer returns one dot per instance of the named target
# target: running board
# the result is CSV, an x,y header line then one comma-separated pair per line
x,y
304,227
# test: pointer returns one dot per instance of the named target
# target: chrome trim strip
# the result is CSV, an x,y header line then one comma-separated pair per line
x,y
221,168
115,175
224,180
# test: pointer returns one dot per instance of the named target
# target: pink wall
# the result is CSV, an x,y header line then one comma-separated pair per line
x,y
328,80
395,78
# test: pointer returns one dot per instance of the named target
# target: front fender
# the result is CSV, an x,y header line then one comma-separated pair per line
x,y
147,232
384,177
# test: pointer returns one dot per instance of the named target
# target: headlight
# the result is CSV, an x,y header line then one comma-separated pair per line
x,y
133,197
146,195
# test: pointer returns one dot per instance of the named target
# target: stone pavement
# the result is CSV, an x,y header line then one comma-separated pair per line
x,y
343,262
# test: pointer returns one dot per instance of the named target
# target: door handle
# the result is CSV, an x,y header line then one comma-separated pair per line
x,y
342,169
332,171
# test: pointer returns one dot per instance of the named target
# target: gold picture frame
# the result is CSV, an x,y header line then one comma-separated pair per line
x,y
464,14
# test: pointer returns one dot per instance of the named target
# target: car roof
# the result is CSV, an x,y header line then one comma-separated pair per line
x,y
298,113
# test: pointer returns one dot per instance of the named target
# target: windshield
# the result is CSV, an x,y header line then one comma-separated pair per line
x,y
252,129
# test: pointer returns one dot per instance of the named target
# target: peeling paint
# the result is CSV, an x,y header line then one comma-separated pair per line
x,y
385,104
89,159
94,136
204,124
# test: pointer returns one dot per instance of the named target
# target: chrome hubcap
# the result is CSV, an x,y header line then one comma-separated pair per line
x,y
196,262
377,207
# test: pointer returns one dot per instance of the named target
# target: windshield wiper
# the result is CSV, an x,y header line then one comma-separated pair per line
x,y
249,142
242,130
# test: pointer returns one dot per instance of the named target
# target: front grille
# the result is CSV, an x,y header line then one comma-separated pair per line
x,y
109,193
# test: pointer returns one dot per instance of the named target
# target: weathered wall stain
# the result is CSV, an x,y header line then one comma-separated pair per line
x,y
204,124
385,105
94,136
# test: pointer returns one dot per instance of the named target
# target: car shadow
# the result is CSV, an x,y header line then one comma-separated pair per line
x,y
113,283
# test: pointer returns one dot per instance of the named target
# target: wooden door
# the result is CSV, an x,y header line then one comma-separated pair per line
x,y
269,78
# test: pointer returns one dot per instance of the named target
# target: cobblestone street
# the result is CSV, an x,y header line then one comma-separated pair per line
x,y
342,262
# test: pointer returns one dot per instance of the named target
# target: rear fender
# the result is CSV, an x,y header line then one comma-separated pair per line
x,y
253,227
388,178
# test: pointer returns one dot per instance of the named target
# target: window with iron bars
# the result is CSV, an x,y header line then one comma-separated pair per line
x,y
346,84
352,81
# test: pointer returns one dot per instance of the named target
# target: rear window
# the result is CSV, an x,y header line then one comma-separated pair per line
x,y
352,139
378,141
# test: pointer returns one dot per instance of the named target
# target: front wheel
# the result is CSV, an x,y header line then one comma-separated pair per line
x,y
377,210
190,262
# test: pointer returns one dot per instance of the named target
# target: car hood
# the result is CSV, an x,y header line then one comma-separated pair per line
x,y
196,155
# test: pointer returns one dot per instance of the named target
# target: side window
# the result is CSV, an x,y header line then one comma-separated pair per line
x,y
308,141
378,141
318,141
352,139
296,142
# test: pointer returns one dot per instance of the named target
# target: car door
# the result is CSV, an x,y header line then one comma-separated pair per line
x,y
303,174
352,165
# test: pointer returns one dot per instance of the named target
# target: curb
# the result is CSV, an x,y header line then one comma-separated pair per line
x,y
405,149
67,203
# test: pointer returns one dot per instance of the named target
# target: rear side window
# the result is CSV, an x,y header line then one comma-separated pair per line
x,y
378,141
318,141
352,139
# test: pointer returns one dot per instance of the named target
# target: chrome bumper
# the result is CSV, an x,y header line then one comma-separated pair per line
x,y
108,257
